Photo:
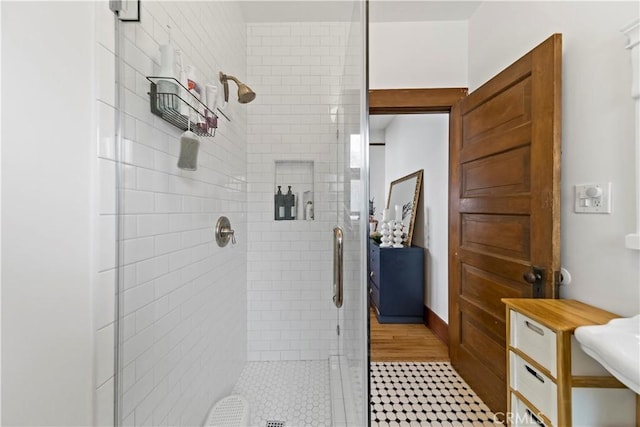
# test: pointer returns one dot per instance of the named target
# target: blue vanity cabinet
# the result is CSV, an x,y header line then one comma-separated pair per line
x,y
396,283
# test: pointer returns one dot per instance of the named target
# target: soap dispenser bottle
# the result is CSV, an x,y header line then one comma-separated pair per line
x,y
290,205
279,205
294,206
309,211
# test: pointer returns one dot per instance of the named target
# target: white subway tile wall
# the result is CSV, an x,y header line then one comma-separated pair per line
x,y
295,69
184,298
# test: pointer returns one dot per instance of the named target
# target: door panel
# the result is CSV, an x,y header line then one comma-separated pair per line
x,y
508,268
504,209
476,318
478,342
488,144
483,287
504,173
511,204
506,235
508,109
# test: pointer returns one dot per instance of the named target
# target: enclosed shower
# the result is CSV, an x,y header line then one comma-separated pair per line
x,y
276,314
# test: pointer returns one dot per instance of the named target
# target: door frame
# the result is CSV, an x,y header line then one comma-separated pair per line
x,y
421,101
414,101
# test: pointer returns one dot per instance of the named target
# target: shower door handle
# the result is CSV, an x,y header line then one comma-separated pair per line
x,y
337,266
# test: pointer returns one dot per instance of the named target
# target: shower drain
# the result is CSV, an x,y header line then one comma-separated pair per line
x,y
272,423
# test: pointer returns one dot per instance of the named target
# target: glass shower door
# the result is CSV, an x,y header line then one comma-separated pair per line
x,y
352,221
196,321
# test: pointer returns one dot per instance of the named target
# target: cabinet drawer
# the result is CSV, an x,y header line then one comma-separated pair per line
x,y
374,263
375,294
374,275
534,339
535,386
521,415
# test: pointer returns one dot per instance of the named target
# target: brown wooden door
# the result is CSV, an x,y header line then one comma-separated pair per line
x,y
504,210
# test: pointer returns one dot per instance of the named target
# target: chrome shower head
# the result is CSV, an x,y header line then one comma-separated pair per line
x,y
245,94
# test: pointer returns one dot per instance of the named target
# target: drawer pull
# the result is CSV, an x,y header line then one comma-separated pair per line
x,y
534,418
538,330
534,373
371,274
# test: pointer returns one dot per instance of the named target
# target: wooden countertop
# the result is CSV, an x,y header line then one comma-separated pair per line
x,y
560,314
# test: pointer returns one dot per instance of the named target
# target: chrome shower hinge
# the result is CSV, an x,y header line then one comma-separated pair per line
x,y
127,10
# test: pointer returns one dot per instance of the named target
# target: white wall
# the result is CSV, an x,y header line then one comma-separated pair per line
x,y
597,134
185,298
421,141
47,180
295,69
421,55
597,119
0,226
377,184
417,54
184,307
376,135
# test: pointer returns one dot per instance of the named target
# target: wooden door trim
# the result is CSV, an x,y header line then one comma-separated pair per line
x,y
455,143
418,101
408,101
438,326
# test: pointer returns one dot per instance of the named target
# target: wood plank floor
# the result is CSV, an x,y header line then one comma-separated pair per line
x,y
405,343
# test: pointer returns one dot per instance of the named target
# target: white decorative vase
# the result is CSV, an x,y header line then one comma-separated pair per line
x,y
397,234
385,230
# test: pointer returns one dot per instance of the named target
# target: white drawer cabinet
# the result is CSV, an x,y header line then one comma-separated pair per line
x,y
531,382
551,381
534,339
522,415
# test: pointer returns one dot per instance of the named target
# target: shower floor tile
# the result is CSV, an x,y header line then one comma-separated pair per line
x,y
296,392
424,394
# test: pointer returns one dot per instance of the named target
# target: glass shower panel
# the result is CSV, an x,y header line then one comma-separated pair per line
x,y
182,298
353,218
196,321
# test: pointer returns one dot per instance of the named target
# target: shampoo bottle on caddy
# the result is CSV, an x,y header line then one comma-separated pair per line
x,y
184,93
197,113
167,88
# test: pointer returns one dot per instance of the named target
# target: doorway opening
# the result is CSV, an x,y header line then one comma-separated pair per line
x,y
409,130
401,144
399,109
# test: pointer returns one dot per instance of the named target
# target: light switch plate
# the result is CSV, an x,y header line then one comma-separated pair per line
x,y
593,198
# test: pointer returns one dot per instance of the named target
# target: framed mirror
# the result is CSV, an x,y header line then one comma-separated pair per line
x,y
405,193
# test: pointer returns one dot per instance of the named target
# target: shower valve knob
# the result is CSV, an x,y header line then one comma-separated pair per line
x,y
224,232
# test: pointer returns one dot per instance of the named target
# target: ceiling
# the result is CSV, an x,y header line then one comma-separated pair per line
x,y
296,11
426,10
334,11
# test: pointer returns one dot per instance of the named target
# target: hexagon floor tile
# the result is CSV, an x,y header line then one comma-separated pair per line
x,y
425,394
403,394
294,392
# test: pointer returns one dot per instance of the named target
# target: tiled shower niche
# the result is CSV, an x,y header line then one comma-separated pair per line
x,y
294,178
